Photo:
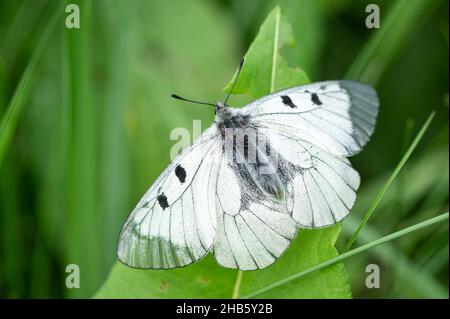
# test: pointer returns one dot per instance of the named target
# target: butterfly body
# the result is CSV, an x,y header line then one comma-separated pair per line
x,y
246,151
253,178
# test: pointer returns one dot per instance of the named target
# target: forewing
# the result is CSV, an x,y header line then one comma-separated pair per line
x,y
174,224
251,232
337,116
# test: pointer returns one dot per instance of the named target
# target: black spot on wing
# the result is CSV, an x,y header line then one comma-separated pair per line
x,y
162,201
180,172
315,99
287,101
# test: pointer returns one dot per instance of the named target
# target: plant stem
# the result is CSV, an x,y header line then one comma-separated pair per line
x,y
237,285
275,50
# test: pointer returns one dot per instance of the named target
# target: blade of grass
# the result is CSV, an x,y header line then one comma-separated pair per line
x,y
2,84
426,172
425,284
389,182
427,175
351,253
82,216
439,260
20,27
406,141
12,247
403,19
114,175
23,90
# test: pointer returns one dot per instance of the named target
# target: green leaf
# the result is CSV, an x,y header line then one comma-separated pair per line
x,y
264,71
207,279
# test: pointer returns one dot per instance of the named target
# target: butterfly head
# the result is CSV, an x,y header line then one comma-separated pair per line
x,y
223,112
220,105
220,108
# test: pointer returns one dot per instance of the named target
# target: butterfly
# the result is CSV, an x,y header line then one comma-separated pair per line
x,y
250,181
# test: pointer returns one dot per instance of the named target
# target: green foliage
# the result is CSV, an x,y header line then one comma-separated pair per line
x,y
389,182
385,44
265,70
310,248
331,261
206,279
22,93
82,246
428,176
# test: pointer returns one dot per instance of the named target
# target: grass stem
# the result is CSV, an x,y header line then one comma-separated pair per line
x,y
389,182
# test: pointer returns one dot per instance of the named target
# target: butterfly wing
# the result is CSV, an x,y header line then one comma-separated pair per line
x,y
314,128
321,188
174,224
252,231
337,116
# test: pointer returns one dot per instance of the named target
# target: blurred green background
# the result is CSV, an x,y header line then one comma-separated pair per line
x,y
92,116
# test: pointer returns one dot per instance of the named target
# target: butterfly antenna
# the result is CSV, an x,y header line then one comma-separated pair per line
x,y
235,80
192,101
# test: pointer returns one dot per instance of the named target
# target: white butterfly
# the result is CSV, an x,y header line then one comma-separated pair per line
x,y
243,199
